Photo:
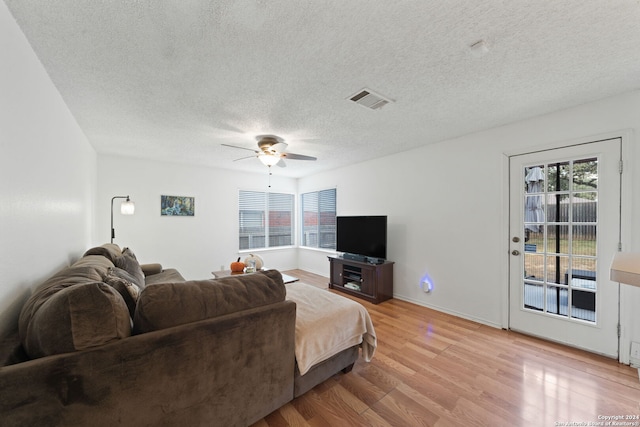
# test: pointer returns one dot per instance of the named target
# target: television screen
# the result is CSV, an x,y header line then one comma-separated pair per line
x,y
362,235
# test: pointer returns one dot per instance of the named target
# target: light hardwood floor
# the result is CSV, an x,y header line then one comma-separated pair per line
x,y
433,369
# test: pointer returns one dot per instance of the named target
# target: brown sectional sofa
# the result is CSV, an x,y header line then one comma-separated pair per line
x,y
109,342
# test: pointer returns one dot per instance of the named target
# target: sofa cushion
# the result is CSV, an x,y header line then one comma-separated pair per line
x,y
75,317
77,273
108,250
164,305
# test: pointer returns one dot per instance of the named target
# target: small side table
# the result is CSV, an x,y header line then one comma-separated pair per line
x,y
225,273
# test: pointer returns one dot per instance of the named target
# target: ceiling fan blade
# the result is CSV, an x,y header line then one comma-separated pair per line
x,y
242,148
244,158
293,156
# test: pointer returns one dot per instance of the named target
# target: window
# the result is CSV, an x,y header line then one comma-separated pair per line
x,y
265,219
319,219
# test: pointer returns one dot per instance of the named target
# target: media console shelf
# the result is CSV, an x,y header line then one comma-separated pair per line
x,y
372,282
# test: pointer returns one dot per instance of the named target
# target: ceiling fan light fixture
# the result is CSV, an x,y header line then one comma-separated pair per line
x,y
269,159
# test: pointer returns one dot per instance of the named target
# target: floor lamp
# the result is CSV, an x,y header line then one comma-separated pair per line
x,y
126,208
625,268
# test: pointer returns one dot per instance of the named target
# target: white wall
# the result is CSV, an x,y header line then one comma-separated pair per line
x,y
47,175
196,245
447,208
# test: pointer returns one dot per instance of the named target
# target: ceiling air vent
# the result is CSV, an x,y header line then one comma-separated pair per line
x,y
370,99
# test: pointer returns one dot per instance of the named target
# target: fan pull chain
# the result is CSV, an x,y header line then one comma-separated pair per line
x,y
270,176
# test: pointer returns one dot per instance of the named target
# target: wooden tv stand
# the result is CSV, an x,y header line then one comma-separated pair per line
x,y
372,282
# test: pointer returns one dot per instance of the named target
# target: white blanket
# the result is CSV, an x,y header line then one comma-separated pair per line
x,y
326,324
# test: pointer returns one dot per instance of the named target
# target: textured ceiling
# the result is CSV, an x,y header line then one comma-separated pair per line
x,y
173,80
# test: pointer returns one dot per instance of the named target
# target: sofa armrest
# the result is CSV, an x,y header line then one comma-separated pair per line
x,y
229,370
151,269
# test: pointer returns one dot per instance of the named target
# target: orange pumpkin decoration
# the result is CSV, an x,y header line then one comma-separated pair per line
x,y
237,266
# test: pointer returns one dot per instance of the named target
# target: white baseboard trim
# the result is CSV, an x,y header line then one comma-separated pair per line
x,y
451,312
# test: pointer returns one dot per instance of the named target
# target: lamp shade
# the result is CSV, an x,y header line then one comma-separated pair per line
x,y
127,207
269,159
625,268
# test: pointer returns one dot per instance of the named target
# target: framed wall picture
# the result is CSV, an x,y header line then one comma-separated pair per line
x,y
177,206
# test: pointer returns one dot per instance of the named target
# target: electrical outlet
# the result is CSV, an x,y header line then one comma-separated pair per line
x,y
634,360
635,350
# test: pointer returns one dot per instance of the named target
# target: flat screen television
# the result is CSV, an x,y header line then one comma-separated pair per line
x,y
362,235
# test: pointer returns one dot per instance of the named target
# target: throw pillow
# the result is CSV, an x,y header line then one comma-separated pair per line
x,y
124,274
122,282
129,263
128,251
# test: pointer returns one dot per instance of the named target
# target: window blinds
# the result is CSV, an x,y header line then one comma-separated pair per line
x,y
319,219
265,219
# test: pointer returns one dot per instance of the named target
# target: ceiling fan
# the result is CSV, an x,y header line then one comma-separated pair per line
x,y
271,151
